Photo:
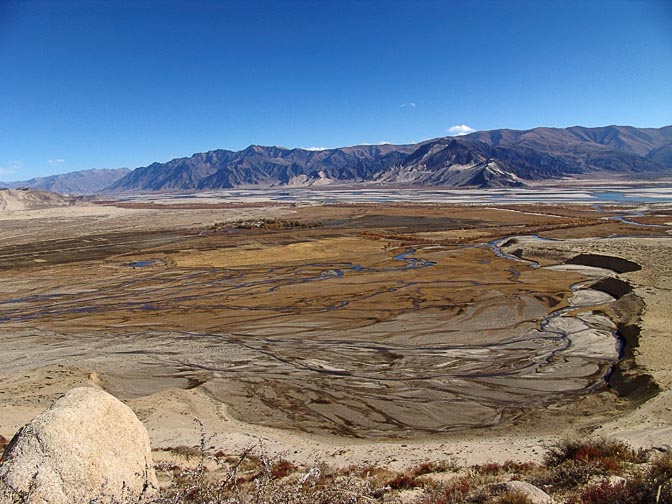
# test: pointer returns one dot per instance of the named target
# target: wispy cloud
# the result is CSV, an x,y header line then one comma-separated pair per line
x,y
56,162
460,129
315,148
11,168
409,105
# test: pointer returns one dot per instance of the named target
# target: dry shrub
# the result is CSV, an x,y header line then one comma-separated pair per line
x,y
511,466
598,451
282,468
453,492
572,464
434,467
563,477
579,463
653,484
403,481
605,493
490,469
377,475
257,478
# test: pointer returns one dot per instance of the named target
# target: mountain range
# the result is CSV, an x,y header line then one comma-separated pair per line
x,y
75,183
497,158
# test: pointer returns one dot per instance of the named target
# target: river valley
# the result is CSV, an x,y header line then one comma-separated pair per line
x,y
351,320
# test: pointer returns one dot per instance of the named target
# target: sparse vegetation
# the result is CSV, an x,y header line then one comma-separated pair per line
x,y
593,471
267,224
403,481
259,479
575,472
435,467
609,454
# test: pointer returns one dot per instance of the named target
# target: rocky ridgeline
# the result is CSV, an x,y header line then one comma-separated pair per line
x,y
88,447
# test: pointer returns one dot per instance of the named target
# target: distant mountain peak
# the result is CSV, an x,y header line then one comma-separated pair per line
x,y
494,158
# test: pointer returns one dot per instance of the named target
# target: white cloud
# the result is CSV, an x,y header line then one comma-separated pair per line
x,y
409,104
315,148
460,129
56,162
11,168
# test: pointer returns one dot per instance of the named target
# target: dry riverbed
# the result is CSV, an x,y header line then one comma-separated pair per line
x,y
359,333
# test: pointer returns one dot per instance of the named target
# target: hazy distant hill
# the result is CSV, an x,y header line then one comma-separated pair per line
x,y
79,182
482,159
33,199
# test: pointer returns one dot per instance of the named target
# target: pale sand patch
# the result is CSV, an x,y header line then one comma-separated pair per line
x,y
27,226
25,395
590,271
81,210
169,418
650,425
590,297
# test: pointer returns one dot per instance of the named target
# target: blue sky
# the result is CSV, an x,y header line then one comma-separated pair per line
x,y
108,84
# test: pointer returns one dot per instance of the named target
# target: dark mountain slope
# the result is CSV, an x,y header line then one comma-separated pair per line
x,y
483,159
662,154
264,166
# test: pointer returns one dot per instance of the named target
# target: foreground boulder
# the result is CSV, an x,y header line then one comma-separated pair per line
x,y
88,447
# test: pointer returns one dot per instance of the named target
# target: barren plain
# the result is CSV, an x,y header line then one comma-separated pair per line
x,y
363,333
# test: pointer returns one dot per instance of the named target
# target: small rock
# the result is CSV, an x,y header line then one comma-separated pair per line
x,y
87,447
616,480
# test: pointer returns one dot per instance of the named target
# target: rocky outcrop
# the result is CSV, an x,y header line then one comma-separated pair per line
x,y
88,447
